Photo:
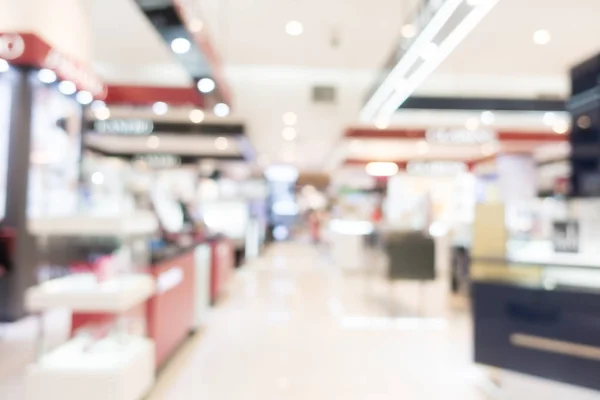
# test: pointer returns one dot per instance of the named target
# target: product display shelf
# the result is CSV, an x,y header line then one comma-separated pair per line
x,y
119,366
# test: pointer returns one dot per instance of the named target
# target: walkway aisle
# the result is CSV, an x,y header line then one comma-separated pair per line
x,y
295,328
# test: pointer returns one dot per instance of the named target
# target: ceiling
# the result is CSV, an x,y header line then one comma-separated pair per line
x,y
343,45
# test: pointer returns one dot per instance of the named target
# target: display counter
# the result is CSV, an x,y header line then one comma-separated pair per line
x,y
348,242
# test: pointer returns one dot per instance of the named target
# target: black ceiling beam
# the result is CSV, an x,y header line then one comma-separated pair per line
x,y
481,104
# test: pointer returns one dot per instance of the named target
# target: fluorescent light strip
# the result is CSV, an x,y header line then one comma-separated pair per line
x,y
410,57
444,50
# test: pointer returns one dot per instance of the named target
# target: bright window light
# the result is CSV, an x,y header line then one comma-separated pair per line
x,y
180,45
67,88
382,168
160,108
206,85
47,75
294,28
221,110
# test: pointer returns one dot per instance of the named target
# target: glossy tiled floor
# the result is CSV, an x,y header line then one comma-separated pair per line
x,y
295,327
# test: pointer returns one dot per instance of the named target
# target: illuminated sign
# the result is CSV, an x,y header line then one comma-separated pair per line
x,y
124,126
460,136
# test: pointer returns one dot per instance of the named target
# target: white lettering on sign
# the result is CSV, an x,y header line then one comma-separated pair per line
x,y
124,126
460,136
159,160
12,46
169,279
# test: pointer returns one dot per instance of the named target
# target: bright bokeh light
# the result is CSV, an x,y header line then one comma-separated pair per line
x,y
206,85
221,143
196,116
67,88
381,168
294,28
180,45
84,97
46,75
160,108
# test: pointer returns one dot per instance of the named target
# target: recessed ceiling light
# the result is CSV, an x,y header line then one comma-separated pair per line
x,y
429,51
290,118
488,117
46,75
97,178
289,133
561,127
221,143
67,88
153,142
196,25
584,122
382,168
422,147
102,113
221,110
4,65
206,85
98,105
472,124
294,28
160,108
196,116
549,118
541,37
409,31
180,45
382,124
84,97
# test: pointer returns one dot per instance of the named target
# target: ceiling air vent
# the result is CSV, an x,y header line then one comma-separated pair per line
x,y
324,94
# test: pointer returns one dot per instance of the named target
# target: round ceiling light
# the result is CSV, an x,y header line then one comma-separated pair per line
x,y
153,142
206,85
67,88
84,97
487,117
561,127
180,45
409,31
196,25
196,116
160,108
102,113
46,75
290,118
4,65
382,168
289,133
382,124
221,110
97,178
98,105
541,37
294,28
221,143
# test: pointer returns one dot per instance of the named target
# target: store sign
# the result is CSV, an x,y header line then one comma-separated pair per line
x,y
460,136
159,160
565,236
12,46
169,279
124,127
436,167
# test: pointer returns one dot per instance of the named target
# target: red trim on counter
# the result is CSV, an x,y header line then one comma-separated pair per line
x,y
29,50
147,95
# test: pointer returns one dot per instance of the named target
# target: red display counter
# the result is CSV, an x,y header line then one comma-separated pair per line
x,y
170,312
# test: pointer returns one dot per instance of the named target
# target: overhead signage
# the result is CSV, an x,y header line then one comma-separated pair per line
x,y
131,127
436,167
460,136
159,160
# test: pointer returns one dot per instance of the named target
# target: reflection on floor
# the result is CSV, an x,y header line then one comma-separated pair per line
x,y
295,327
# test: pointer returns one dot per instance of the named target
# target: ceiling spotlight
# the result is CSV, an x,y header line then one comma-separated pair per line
x,y
409,31
98,105
429,51
196,116
541,37
290,118
289,133
206,85
294,28
153,142
67,88
221,110
195,25
382,124
221,143
46,75
382,168
584,122
97,178
180,45
472,124
561,127
549,118
487,117
84,97
102,113
422,147
4,65
160,108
